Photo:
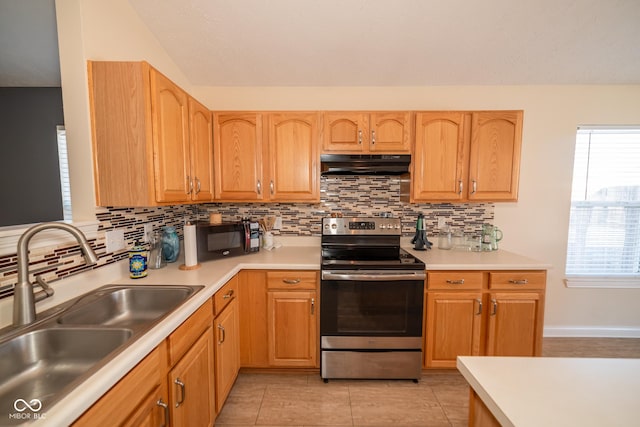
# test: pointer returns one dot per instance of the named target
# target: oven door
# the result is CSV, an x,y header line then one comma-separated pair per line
x,y
370,303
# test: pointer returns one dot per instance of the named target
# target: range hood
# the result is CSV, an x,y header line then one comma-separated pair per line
x,y
365,164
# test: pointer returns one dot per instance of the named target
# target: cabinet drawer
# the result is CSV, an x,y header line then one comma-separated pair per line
x,y
225,294
292,279
454,280
518,280
183,338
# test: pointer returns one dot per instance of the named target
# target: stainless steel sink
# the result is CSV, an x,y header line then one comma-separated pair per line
x,y
41,363
126,306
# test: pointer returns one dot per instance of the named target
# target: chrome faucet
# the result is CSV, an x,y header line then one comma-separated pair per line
x,y
24,299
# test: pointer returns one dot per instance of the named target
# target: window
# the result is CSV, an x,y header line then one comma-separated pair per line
x,y
604,226
63,160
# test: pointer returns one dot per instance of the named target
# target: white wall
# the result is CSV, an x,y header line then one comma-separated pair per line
x,y
535,226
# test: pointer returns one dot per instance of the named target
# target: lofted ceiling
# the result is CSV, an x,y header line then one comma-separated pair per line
x,y
400,42
359,42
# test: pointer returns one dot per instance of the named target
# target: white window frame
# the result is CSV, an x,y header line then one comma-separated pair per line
x,y
609,281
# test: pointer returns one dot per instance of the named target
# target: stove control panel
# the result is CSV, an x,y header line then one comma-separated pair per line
x,y
359,226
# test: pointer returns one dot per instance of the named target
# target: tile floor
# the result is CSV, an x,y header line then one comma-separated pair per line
x,y
440,398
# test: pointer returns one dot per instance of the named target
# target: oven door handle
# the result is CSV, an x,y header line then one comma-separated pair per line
x,y
372,276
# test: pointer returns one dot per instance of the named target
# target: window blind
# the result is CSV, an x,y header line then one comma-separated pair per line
x,y
604,226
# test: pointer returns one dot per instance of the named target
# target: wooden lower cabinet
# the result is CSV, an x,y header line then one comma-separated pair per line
x,y
191,391
278,318
227,335
482,313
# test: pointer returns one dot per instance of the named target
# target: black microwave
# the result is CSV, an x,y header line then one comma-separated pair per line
x,y
217,241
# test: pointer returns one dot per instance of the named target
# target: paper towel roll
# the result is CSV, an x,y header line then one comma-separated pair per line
x,y
190,248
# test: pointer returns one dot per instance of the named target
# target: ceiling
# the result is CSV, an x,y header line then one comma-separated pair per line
x,y
398,43
359,42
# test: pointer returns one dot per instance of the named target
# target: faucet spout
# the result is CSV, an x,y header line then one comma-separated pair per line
x,y
24,300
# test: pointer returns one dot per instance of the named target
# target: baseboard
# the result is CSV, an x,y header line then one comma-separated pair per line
x,y
612,332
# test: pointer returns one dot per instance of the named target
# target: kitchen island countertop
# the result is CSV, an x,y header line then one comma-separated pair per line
x,y
556,391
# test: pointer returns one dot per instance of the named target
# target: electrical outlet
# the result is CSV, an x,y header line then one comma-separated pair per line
x,y
148,229
442,222
114,240
278,224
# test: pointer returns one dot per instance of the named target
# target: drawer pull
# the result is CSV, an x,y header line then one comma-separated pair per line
x,y
291,281
456,282
519,282
228,294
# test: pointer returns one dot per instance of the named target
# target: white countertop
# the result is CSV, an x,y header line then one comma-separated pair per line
x,y
213,275
563,392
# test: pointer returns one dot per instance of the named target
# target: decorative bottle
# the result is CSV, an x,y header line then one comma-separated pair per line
x,y
170,244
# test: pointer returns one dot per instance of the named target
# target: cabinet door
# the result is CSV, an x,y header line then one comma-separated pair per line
x,y
346,132
440,157
292,328
201,154
515,324
238,154
390,133
151,413
294,169
227,352
453,327
494,165
191,390
170,118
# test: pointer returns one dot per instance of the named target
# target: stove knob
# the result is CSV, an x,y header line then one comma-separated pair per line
x,y
334,226
382,226
397,226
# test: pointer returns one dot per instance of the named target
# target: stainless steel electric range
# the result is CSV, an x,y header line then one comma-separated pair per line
x,y
371,301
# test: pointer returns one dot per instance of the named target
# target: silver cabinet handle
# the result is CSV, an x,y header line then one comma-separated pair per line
x,y
189,185
291,281
373,137
223,335
359,137
313,305
228,294
165,408
198,185
519,282
456,282
474,186
479,306
271,187
182,391
494,307
259,187
460,187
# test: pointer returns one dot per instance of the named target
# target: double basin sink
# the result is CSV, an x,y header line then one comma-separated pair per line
x,y
41,363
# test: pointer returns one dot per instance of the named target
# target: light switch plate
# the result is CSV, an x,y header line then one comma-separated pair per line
x,y
114,240
278,224
442,222
148,229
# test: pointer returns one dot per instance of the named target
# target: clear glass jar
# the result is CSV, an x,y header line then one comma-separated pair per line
x,y
445,238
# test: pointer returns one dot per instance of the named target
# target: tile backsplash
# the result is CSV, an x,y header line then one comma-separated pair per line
x,y
349,195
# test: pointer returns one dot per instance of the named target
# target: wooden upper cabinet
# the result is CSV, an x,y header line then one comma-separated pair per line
x,y
440,153
466,156
494,166
201,137
148,141
345,132
267,156
170,118
238,153
363,132
294,170
390,132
